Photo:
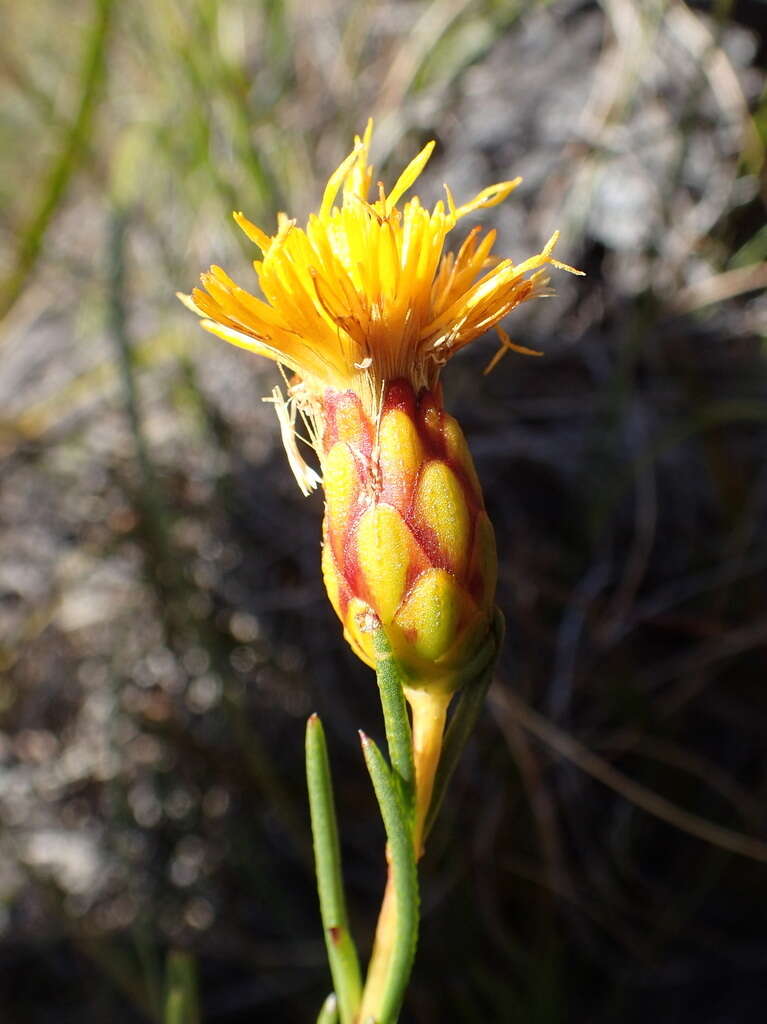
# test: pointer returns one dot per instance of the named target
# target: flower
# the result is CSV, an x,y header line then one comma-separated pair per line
x,y
364,307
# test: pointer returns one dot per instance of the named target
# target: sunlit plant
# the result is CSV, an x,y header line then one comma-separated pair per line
x,y
364,308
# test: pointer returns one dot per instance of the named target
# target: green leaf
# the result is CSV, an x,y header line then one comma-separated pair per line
x,y
329,1011
396,721
479,675
404,880
342,954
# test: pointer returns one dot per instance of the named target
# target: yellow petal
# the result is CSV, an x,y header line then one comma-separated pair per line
x,y
254,233
409,175
490,196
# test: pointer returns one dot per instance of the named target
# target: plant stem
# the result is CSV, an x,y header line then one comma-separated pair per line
x,y
432,772
381,955
429,710
464,717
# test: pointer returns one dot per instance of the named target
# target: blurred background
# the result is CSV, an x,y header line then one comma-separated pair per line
x,y
163,628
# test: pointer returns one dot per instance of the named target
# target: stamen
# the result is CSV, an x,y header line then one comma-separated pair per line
x,y
507,345
450,202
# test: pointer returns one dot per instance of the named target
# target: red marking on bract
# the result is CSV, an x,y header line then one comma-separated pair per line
x,y
400,395
429,424
344,597
336,933
418,562
396,491
428,540
473,501
351,564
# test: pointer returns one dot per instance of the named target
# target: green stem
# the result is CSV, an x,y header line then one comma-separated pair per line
x,y
429,710
396,722
342,954
404,883
479,675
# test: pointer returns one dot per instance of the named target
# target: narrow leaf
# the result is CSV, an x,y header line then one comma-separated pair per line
x,y
342,954
404,880
329,1011
181,1001
396,721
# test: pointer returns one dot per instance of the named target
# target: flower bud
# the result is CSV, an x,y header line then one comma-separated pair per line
x,y
406,539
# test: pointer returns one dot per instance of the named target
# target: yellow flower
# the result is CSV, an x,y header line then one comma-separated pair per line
x,y
365,308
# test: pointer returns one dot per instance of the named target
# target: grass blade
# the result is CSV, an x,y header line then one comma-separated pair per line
x,y
342,954
404,880
63,167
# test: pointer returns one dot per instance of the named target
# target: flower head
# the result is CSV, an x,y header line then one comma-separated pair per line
x,y
365,307
365,292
